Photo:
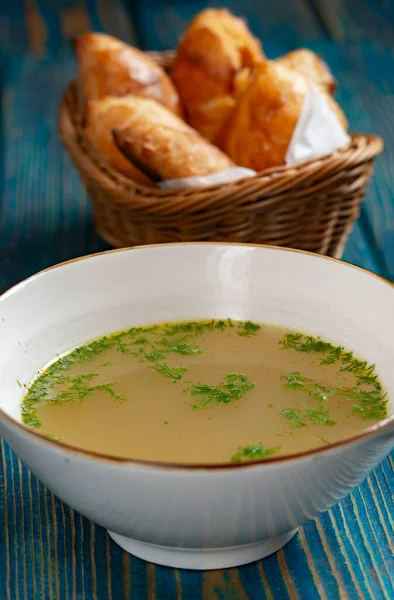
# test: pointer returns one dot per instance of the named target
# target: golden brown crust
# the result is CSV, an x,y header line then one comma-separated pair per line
x,y
109,67
311,66
266,115
102,116
215,48
163,146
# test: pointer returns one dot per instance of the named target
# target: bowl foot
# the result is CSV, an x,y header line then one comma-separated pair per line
x,y
199,559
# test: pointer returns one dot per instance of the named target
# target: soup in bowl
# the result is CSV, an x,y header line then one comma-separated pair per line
x,y
200,401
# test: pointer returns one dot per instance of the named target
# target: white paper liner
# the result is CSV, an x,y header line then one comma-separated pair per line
x,y
318,131
227,176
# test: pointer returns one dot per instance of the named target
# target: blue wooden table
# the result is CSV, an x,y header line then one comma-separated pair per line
x,y
46,549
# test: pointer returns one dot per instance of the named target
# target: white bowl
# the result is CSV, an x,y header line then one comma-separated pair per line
x,y
191,516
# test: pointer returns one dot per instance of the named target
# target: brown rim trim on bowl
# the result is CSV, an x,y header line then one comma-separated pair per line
x,y
378,427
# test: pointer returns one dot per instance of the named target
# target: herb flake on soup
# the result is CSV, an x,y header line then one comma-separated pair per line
x,y
204,392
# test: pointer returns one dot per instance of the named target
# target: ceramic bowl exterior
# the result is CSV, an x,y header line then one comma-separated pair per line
x,y
195,517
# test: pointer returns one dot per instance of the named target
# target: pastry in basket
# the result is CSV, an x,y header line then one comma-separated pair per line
x,y
266,115
163,146
102,116
109,67
208,67
311,66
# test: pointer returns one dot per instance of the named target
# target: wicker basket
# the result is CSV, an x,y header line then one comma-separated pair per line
x,y
311,206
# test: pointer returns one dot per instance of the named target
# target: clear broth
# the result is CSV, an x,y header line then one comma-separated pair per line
x,y
264,392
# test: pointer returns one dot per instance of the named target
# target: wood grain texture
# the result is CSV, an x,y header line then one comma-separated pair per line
x,y
366,93
44,215
13,33
47,551
347,20
52,552
43,27
36,29
290,22
282,25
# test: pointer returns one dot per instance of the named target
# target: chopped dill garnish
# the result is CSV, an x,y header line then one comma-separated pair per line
x,y
349,364
318,414
270,405
19,383
233,387
335,354
179,346
303,343
133,331
191,328
295,381
253,452
154,359
322,440
295,417
79,389
151,357
40,389
247,328
140,341
174,373
196,328
29,415
368,403
284,433
108,388
52,437
369,400
150,345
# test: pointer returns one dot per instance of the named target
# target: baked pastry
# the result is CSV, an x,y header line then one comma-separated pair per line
x,y
163,146
215,49
311,66
101,117
109,67
266,115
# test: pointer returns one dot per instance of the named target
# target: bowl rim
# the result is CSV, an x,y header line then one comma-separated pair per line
x,y
380,426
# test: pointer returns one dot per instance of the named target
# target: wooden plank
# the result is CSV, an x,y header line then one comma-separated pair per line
x,y
373,79
292,23
74,20
116,20
358,250
42,27
36,29
366,93
44,214
342,542
355,20
13,30
281,27
48,14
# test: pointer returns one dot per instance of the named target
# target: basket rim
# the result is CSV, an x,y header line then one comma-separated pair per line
x,y
362,148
